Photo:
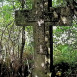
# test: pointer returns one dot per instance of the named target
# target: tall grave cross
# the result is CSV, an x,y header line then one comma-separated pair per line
x,y
41,16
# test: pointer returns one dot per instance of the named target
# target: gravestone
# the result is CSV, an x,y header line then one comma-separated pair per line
x,y
41,16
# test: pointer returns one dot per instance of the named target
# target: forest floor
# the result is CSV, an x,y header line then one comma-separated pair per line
x,y
11,71
16,69
65,70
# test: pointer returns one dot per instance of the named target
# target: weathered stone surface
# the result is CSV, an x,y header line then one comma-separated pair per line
x,y
40,17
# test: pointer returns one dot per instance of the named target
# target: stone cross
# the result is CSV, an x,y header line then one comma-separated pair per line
x,y
41,16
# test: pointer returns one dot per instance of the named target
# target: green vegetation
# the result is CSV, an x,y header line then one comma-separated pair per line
x,y
65,48
8,29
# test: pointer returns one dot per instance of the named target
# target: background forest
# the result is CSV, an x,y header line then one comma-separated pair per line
x,y
11,37
64,38
10,34
65,47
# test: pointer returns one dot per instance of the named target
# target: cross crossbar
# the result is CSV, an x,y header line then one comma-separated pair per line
x,y
61,16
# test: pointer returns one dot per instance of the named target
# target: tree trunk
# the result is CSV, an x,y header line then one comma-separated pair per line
x,y
23,43
18,50
22,48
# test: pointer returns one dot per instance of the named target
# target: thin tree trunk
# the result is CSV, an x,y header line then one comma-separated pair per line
x,y
13,50
23,43
18,50
22,48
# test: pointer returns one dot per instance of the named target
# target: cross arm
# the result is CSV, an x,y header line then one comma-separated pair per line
x,y
56,16
61,16
24,17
